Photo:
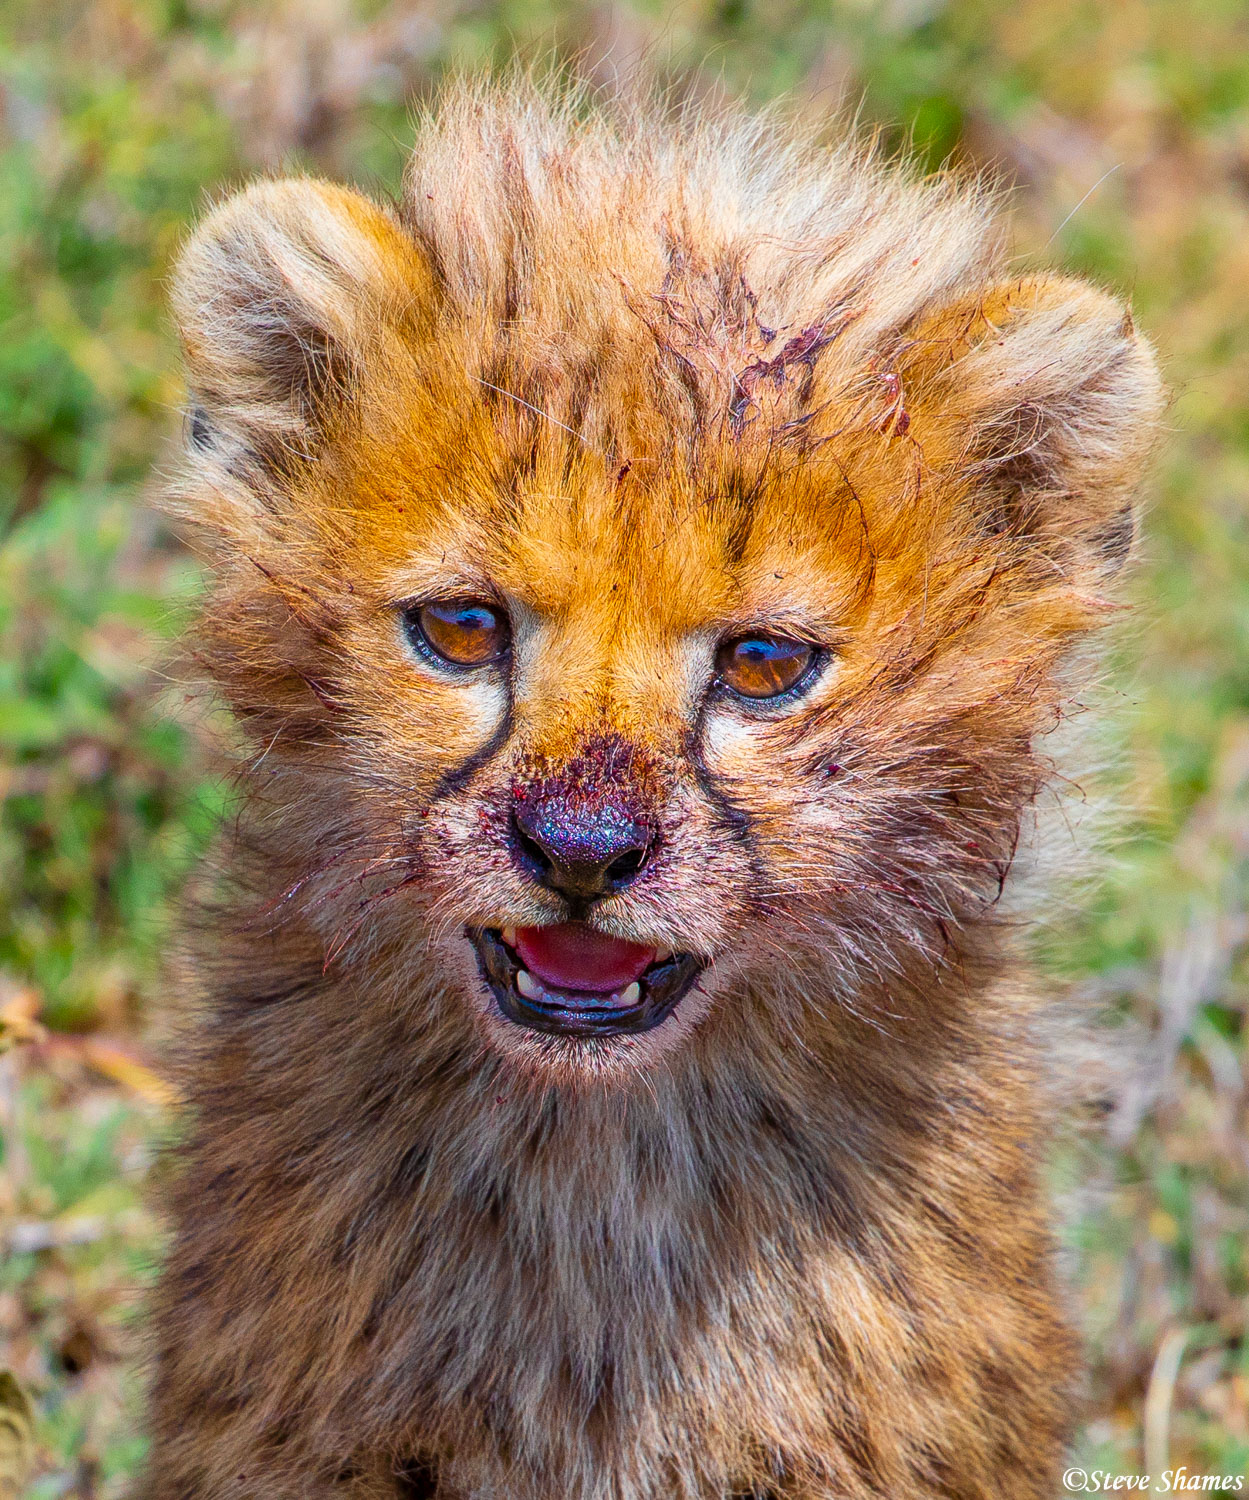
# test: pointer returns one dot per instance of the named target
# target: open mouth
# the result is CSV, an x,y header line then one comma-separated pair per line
x,y
571,980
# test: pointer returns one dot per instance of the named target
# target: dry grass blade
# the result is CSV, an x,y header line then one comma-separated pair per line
x,y
1158,1400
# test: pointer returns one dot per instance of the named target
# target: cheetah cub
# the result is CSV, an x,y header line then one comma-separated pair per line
x,y
648,561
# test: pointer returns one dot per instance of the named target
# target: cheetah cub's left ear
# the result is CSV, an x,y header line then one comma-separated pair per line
x,y
1044,395
281,294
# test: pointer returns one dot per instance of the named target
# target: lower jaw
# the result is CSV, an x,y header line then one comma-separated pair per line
x,y
582,1016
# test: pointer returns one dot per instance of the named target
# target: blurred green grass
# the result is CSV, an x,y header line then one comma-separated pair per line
x,y
1125,128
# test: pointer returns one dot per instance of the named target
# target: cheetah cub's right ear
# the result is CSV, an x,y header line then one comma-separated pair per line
x,y
283,292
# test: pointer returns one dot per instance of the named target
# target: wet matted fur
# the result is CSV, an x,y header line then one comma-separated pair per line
x,y
646,383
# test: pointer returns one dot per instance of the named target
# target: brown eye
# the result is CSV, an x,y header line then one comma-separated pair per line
x,y
763,666
460,631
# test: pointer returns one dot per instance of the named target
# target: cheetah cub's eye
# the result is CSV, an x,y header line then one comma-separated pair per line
x,y
458,632
765,666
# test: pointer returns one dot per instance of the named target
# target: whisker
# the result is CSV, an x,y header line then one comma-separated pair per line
x,y
339,945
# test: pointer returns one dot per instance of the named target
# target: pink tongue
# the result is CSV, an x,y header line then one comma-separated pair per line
x,y
572,956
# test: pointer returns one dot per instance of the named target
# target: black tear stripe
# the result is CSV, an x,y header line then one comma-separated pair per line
x,y
458,777
731,817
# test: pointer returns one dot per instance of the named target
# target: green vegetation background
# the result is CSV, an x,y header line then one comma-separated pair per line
x,y
1125,127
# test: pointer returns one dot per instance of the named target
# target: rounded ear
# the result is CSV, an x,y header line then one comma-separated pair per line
x,y
1045,395
279,295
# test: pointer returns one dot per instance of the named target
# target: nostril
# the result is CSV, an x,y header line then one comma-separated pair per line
x,y
628,865
531,851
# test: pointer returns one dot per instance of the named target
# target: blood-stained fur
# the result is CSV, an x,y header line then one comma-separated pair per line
x,y
633,387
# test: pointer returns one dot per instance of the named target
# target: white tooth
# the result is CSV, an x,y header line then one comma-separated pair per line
x,y
631,993
509,936
527,984
662,955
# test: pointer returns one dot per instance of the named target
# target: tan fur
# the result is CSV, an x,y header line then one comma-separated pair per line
x,y
648,383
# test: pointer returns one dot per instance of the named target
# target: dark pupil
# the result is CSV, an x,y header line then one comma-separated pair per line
x,y
762,667
468,634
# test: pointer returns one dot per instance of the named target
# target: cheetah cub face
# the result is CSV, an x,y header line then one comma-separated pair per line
x,y
645,615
